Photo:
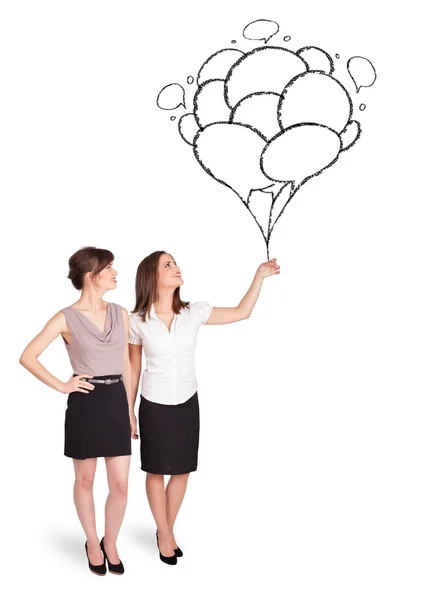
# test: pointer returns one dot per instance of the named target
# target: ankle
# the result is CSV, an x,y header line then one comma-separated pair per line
x,y
107,541
163,533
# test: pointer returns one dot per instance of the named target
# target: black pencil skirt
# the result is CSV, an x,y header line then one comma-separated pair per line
x,y
169,436
98,423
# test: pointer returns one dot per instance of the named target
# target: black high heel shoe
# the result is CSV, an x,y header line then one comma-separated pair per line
x,y
169,560
118,568
96,569
178,552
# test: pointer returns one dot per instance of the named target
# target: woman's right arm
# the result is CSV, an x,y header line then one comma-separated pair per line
x,y
135,352
30,358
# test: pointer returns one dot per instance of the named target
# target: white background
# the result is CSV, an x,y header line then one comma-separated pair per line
x,y
313,467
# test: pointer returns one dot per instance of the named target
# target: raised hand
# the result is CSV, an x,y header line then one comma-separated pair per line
x,y
269,268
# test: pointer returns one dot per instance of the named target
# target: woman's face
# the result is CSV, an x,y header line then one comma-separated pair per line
x,y
169,274
106,279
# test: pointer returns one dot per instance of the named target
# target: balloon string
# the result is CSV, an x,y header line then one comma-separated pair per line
x,y
266,240
293,191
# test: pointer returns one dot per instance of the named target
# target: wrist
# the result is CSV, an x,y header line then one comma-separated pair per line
x,y
60,387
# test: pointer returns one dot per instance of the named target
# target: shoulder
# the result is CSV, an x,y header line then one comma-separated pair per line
x,y
63,315
200,311
122,310
58,322
121,314
118,308
199,305
135,318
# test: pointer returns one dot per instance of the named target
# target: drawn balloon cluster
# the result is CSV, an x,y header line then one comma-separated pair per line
x,y
267,120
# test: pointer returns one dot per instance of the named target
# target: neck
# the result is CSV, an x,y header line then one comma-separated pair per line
x,y
165,300
92,300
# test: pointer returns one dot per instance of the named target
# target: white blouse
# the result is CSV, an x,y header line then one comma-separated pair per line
x,y
169,376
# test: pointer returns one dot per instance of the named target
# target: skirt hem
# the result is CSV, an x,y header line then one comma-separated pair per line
x,y
169,472
98,455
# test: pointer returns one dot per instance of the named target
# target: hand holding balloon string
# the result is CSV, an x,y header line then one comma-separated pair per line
x,y
269,268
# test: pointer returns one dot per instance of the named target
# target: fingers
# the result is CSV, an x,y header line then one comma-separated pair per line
x,y
81,385
84,384
87,385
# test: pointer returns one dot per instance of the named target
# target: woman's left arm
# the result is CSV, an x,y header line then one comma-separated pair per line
x,y
221,316
126,375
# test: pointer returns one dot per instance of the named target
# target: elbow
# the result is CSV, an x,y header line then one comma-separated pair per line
x,y
242,313
26,359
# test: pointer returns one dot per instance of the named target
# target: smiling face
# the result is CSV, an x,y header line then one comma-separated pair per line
x,y
169,274
106,279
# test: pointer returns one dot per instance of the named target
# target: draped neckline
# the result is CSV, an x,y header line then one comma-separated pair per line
x,y
85,320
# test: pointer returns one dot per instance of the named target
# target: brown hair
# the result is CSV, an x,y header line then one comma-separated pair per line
x,y
87,260
146,286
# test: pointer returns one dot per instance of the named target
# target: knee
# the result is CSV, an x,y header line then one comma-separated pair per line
x,y
154,481
183,477
154,478
85,482
119,488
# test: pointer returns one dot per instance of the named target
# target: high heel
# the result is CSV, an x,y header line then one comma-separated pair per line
x,y
169,560
96,569
118,568
178,552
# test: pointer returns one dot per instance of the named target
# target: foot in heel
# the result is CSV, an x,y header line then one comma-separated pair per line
x,y
169,560
116,568
96,569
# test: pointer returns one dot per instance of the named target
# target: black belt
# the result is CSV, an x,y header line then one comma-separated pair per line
x,y
105,381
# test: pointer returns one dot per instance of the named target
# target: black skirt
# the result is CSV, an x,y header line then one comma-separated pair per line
x,y
98,423
169,436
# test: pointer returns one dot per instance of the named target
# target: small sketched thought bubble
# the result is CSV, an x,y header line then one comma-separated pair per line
x,y
362,72
171,96
260,30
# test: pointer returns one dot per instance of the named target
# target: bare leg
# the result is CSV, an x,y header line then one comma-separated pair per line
x,y
84,501
157,501
117,468
175,492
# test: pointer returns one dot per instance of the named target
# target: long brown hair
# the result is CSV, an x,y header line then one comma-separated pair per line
x,y
87,260
146,286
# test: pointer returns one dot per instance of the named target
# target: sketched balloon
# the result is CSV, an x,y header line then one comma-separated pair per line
x,y
209,103
262,70
188,128
269,119
260,112
218,65
350,134
300,152
315,97
317,59
231,154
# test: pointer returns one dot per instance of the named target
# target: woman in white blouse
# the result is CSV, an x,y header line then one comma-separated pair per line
x,y
166,327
